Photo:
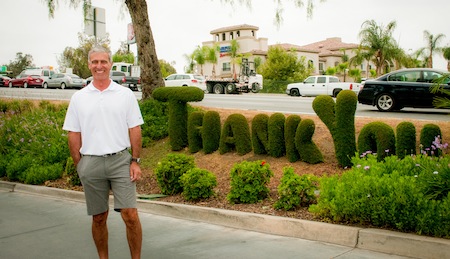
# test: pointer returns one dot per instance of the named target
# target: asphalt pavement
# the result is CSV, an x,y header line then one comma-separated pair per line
x,y
41,222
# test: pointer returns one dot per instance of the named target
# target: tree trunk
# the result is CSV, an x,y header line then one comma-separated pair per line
x,y
151,76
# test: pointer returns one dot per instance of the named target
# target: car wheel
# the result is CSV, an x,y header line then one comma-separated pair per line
x,y
336,92
385,102
63,86
45,85
25,85
218,89
295,92
230,88
255,88
10,85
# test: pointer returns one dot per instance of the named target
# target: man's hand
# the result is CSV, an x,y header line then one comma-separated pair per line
x,y
135,172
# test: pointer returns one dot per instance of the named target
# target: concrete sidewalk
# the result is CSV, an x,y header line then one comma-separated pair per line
x,y
41,222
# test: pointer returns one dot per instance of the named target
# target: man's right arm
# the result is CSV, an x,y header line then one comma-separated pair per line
x,y
75,146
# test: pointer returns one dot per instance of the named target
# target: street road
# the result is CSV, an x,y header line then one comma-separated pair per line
x,y
259,102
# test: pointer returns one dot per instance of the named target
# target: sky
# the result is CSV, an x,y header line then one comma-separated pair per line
x,y
179,26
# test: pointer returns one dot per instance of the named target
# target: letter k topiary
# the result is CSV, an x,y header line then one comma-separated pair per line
x,y
339,118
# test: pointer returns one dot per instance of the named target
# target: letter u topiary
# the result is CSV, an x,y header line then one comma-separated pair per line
x,y
406,139
377,137
260,134
307,149
276,135
340,121
235,135
178,114
290,129
211,132
195,131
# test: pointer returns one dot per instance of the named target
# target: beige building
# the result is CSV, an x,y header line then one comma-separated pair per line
x,y
319,55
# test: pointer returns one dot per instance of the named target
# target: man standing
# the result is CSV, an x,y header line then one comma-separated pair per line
x,y
103,121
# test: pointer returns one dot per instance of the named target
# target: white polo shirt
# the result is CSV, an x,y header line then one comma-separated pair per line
x,y
103,118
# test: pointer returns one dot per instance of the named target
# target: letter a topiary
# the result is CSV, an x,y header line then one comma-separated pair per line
x,y
307,149
211,132
276,135
290,129
377,137
406,139
260,135
178,114
235,135
340,121
195,131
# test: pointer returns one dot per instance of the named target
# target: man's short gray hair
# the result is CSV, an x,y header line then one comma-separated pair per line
x,y
100,49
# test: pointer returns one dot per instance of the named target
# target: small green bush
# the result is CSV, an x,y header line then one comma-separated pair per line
x,y
430,132
38,174
198,184
169,171
406,139
156,118
290,130
249,182
260,134
308,150
71,173
377,137
195,121
295,190
277,146
211,131
235,135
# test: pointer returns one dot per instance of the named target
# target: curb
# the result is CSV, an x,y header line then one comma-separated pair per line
x,y
384,241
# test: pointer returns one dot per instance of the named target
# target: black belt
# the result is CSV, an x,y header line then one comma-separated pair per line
x,y
107,155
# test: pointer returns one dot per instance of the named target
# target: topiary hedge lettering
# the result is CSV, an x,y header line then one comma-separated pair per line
x,y
377,137
406,139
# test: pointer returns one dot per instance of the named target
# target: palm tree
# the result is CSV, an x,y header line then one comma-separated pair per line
x,y
211,56
234,48
432,45
379,43
200,57
190,61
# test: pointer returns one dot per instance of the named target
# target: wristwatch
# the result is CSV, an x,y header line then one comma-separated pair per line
x,y
137,160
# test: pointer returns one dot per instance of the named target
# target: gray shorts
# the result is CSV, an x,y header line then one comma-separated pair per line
x,y
100,174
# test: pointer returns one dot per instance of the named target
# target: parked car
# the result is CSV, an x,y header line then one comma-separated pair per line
x,y
4,80
116,76
63,80
186,80
402,88
25,81
320,85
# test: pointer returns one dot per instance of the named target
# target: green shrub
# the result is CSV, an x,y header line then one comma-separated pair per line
x,y
198,184
156,118
340,121
277,147
71,172
428,135
39,174
377,137
308,150
434,181
235,135
260,134
249,182
290,130
406,139
195,121
295,190
169,171
211,132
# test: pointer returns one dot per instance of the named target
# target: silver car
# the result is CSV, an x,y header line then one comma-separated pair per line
x,y
63,81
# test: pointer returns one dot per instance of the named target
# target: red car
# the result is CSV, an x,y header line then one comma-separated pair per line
x,y
26,81
4,80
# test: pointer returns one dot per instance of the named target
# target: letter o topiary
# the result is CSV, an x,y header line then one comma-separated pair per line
x,y
406,139
377,137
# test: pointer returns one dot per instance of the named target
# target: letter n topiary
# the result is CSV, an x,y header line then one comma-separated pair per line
x,y
340,121
290,129
260,135
406,139
377,137
211,132
308,150
235,135
178,114
276,135
195,121
428,135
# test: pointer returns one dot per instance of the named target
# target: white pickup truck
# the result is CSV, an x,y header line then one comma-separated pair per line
x,y
320,85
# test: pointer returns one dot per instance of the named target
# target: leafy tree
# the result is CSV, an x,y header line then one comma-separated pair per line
x,y
284,65
377,40
166,68
20,63
76,58
432,46
123,54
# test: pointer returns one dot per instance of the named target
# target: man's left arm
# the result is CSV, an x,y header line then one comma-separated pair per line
x,y
136,146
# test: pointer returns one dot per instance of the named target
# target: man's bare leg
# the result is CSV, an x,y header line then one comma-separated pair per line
x,y
100,234
134,231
